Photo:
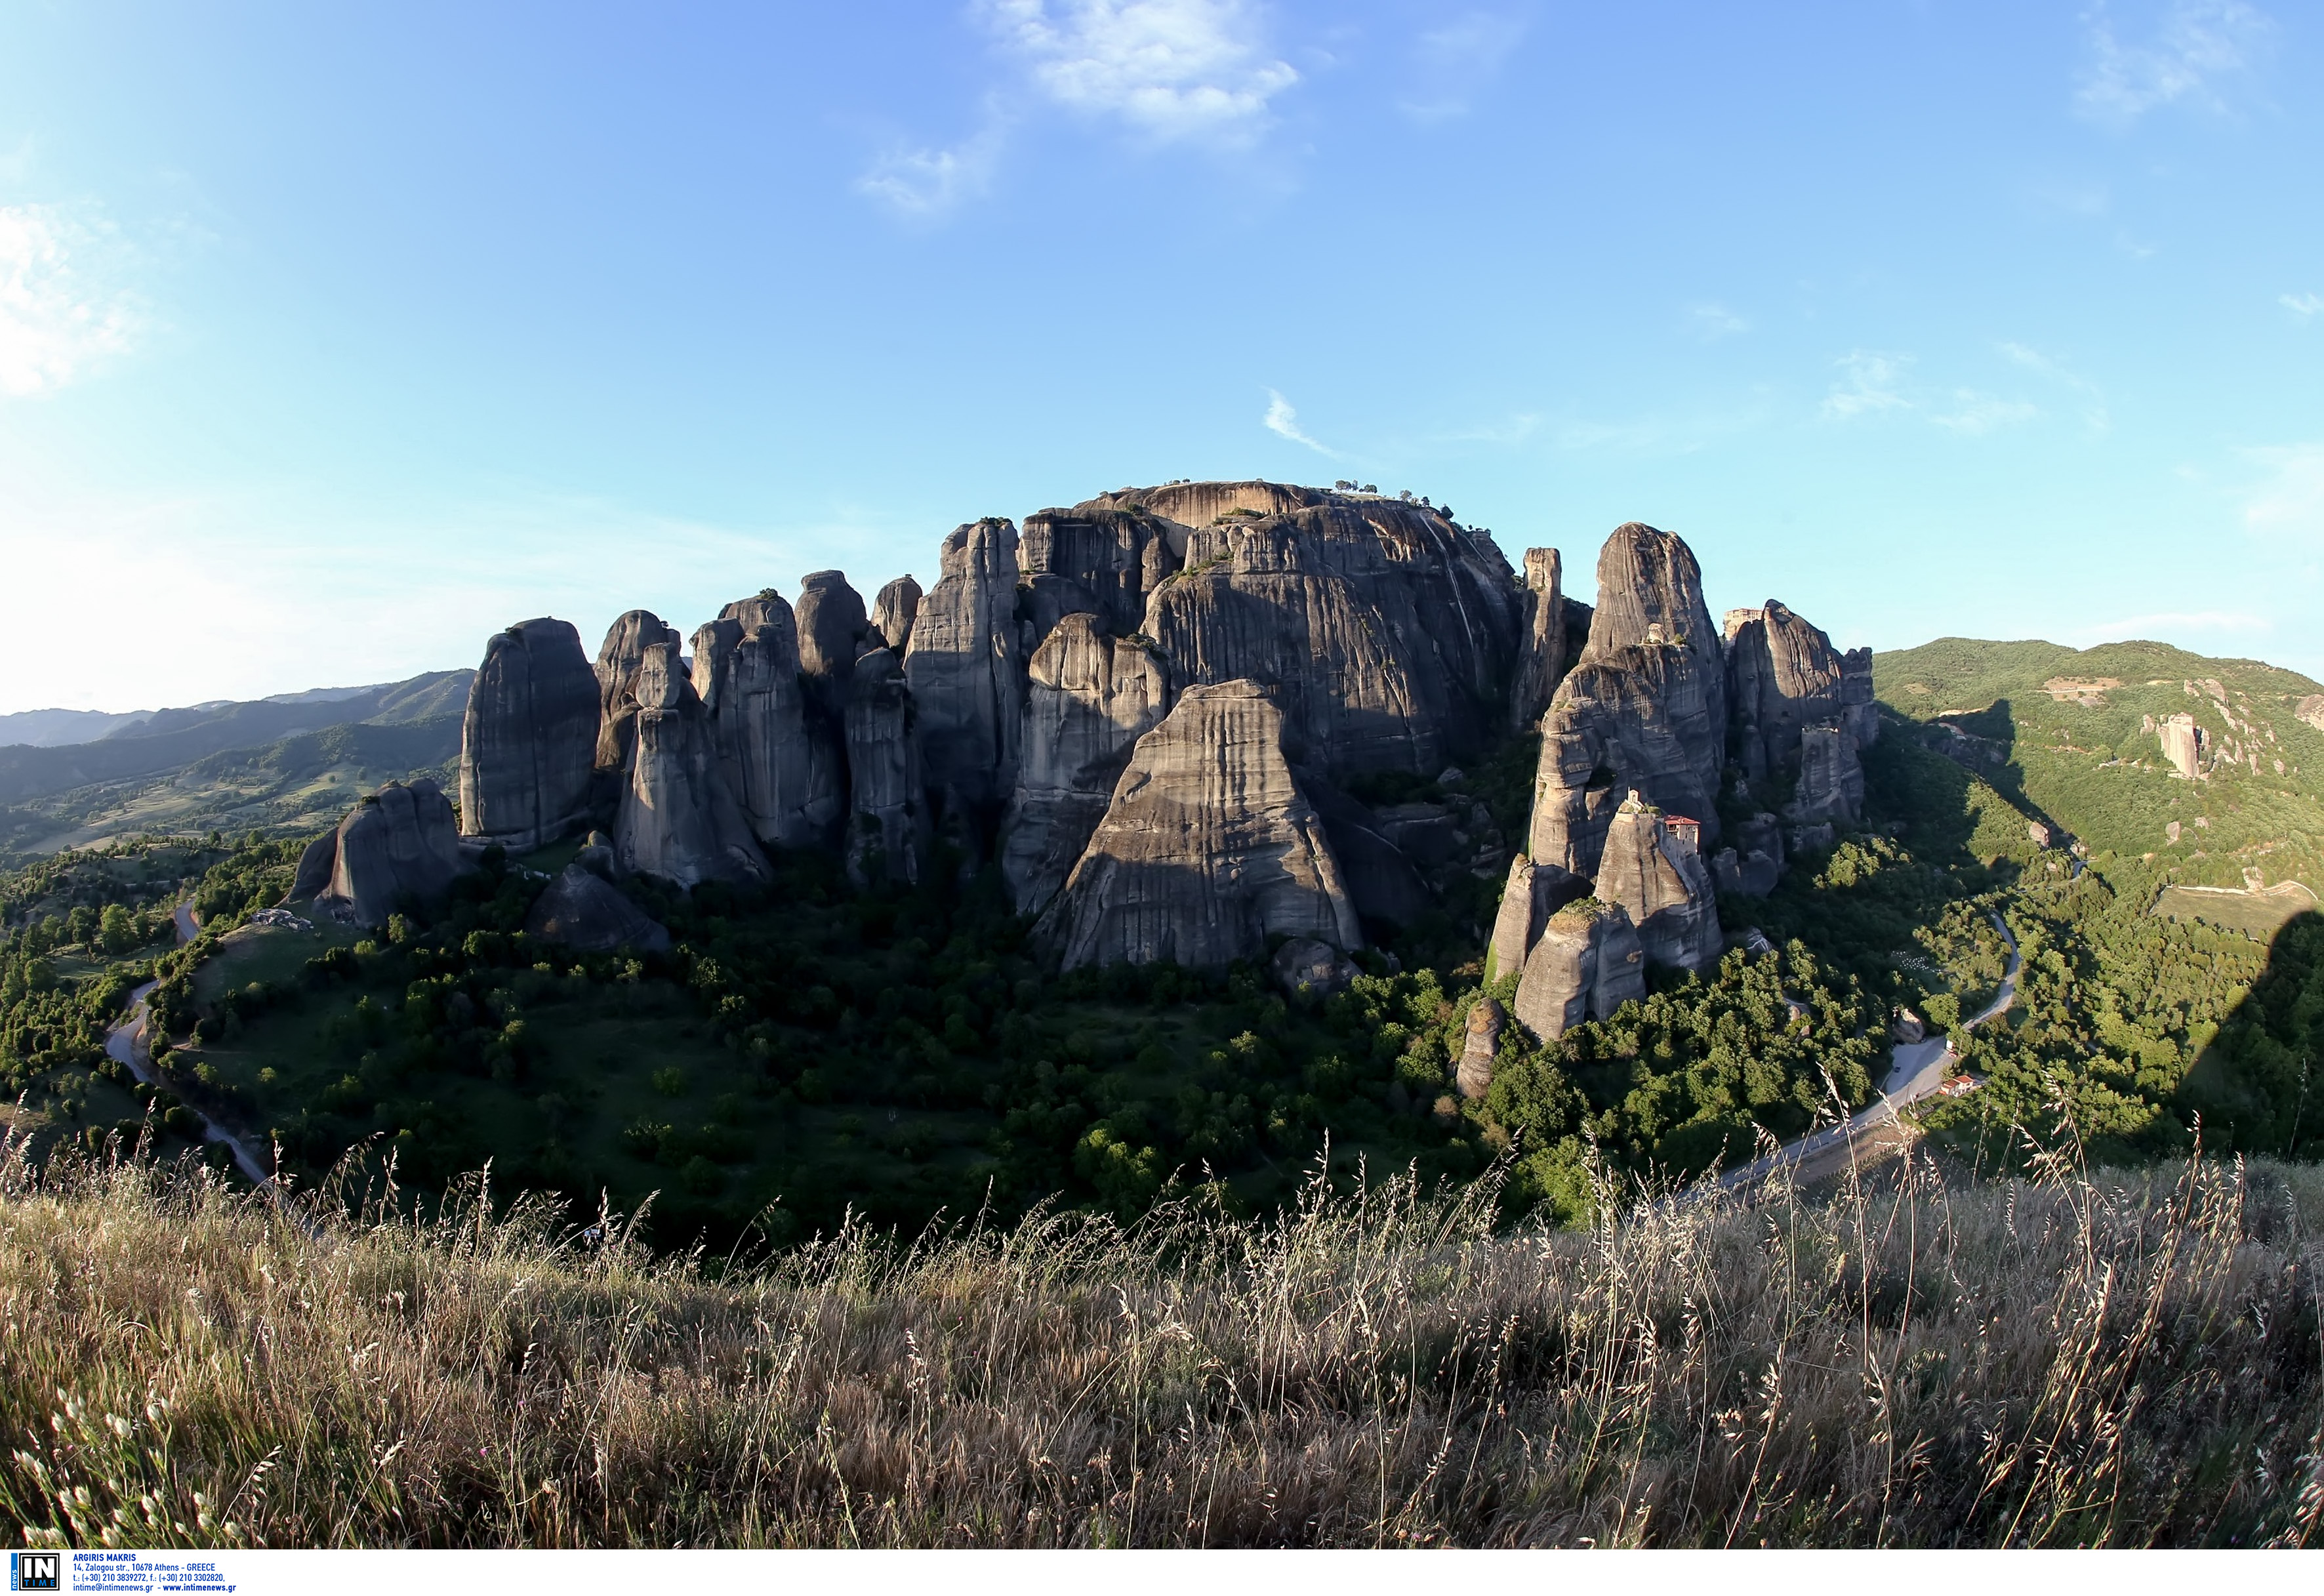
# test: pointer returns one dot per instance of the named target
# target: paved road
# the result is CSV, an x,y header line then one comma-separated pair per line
x,y
127,1042
1915,1069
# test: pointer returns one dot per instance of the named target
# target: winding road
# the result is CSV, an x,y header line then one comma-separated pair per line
x,y
1915,1070
127,1042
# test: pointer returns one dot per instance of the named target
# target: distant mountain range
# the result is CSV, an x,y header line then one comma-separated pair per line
x,y
60,728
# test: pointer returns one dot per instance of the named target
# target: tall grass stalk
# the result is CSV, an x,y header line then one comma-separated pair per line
x,y
2068,1358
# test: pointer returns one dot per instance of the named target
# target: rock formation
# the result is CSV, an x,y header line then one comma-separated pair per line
x,y
400,844
965,670
1089,699
895,610
1104,557
2182,745
618,659
317,860
1755,863
888,819
1587,965
1858,710
528,742
1652,869
677,820
833,632
582,911
1480,1040
1831,780
1650,598
1629,722
786,778
1386,630
1541,659
2309,711
1208,849
1528,898
1306,968
1781,674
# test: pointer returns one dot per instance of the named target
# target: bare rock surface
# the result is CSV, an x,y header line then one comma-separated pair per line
x,y
888,821
618,660
1781,674
965,668
1587,965
833,632
1541,659
1529,897
895,610
1632,720
2182,745
316,862
1385,629
582,911
1859,711
786,779
402,842
1104,557
1831,778
1652,868
1208,849
1089,698
528,741
677,820
1480,1041
1306,968
2309,711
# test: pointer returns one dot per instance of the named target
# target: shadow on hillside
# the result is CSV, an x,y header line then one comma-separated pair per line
x,y
2259,1086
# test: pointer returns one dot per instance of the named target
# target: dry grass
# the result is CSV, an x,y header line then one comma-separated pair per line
x,y
2070,1361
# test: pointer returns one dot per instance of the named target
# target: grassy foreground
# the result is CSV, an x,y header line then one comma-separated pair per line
x,y
2075,1359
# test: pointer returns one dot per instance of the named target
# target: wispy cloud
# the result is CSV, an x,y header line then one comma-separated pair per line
x,y
1283,422
59,315
1712,321
2304,305
2289,500
1198,72
930,183
1981,413
1450,64
2199,46
1868,384
2094,407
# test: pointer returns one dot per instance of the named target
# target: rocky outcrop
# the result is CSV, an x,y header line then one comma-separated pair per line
x,y
1205,503
316,863
1781,674
677,820
2182,745
1650,599
965,668
1755,863
1090,697
1104,557
620,657
1386,631
400,845
888,821
1631,721
1480,1040
2309,711
1652,868
583,912
832,633
1858,711
1587,965
1528,898
1541,659
1830,787
1208,849
785,775
528,741
1306,968
895,610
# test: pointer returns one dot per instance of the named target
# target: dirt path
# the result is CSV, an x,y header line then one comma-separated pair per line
x,y
127,1043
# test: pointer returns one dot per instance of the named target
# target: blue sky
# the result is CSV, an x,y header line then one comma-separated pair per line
x,y
333,338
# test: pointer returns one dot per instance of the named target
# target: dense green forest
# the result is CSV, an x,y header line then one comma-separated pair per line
x,y
808,1050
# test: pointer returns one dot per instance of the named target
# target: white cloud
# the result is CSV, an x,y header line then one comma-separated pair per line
x,y
1869,384
1981,413
58,316
1197,71
1450,64
1283,422
931,183
2304,305
2094,409
2291,501
2198,44
1713,320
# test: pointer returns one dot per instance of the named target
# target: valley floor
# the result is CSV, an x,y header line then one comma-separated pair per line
x,y
2070,1359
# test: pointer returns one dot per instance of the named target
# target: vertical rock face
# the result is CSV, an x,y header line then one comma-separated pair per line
x,y
888,823
618,660
1652,869
678,821
895,610
1781,674
2182,745
832,631
1089,699
1587,965
1208,849
1480,1042
746,672
1627,722
1385,629
529,741
1831,781
401,843
1650,598
965,670
1528,898
1105,557
1858,711
1202,503
1755,862
1541,661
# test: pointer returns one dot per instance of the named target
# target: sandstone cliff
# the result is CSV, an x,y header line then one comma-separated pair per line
x,y
1586,965
618,659
895,610
1208,849
1628,721
528,742
787,778
1650,598
1089,699
1541,659
401,845
832,631
1831,788
678,821
1104,557
1651,868
1781,674
888,823
965,670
